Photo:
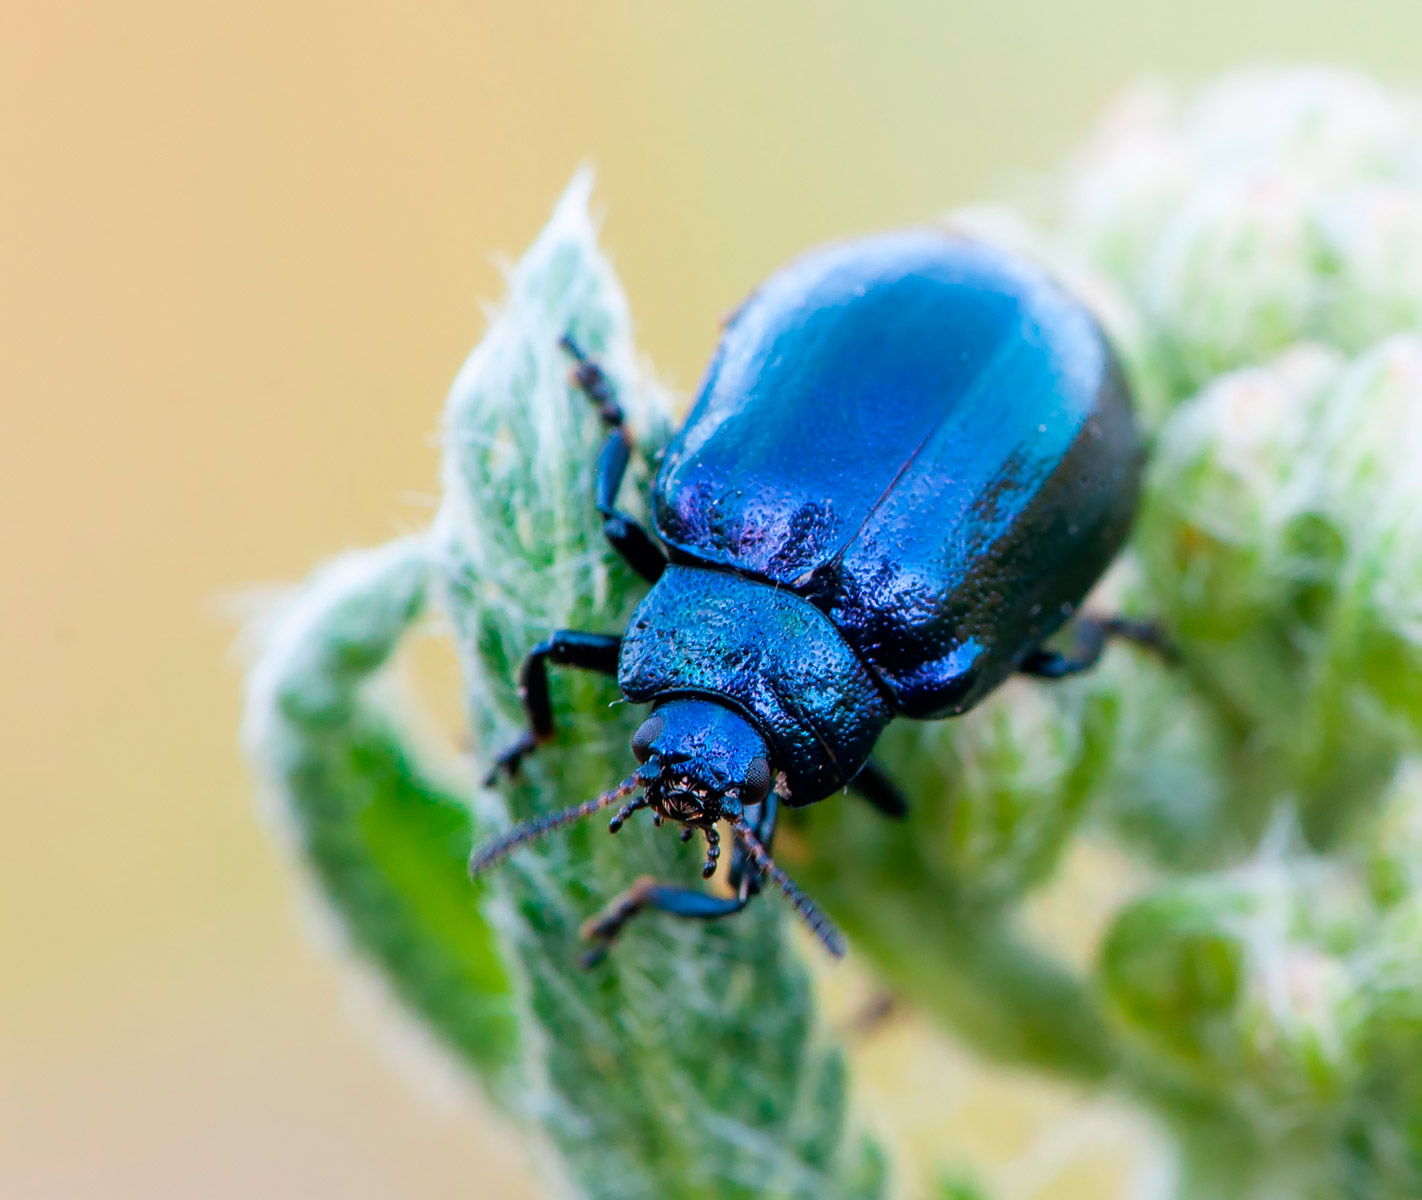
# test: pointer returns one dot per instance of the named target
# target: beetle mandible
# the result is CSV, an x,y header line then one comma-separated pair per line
x,y
910,458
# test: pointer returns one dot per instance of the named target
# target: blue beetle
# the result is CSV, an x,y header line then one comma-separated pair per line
x,y
911,457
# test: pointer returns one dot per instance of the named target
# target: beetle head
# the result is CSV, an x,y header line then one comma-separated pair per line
x,y
700,763
710,762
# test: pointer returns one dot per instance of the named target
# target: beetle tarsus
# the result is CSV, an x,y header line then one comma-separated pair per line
x,y
650,893
592,381
512,758
636,546
603,928
567,648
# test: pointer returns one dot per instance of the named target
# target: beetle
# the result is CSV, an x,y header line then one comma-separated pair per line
x,y
909,460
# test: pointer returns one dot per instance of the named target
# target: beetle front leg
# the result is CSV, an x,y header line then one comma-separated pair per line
x,y
689,903
651,893
567,648
629,539
1091,636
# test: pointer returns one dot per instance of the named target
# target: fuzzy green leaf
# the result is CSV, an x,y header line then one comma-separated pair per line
x,y
383,835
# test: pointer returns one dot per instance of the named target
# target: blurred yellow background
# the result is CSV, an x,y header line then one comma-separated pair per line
x,y
242,249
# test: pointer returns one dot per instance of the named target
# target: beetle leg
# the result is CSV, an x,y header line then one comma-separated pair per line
x,y
690,903
650,893
629,539
1091,636
623,534
568,648
883,793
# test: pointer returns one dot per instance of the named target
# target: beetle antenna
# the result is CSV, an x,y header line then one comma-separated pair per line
x,y
502,846
820,925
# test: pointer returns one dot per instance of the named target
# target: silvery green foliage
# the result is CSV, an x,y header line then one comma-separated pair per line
x,y
1255,251
382,831
690,1064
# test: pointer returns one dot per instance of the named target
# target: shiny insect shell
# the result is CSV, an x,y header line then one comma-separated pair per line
x,y
911,457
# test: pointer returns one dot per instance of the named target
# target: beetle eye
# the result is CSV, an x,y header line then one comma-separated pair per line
x,y
642,740
757,782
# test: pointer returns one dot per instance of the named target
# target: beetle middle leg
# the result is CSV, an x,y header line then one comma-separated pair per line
x,y
567,648
1092,634
874,785
629,539
693,904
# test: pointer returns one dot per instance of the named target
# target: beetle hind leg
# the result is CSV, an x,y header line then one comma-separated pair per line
x,y
630,540
1092,633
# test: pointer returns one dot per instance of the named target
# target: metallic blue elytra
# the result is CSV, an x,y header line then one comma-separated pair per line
x,y
910,459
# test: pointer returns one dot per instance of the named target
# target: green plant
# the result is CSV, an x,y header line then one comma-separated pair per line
x,y
1256,253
